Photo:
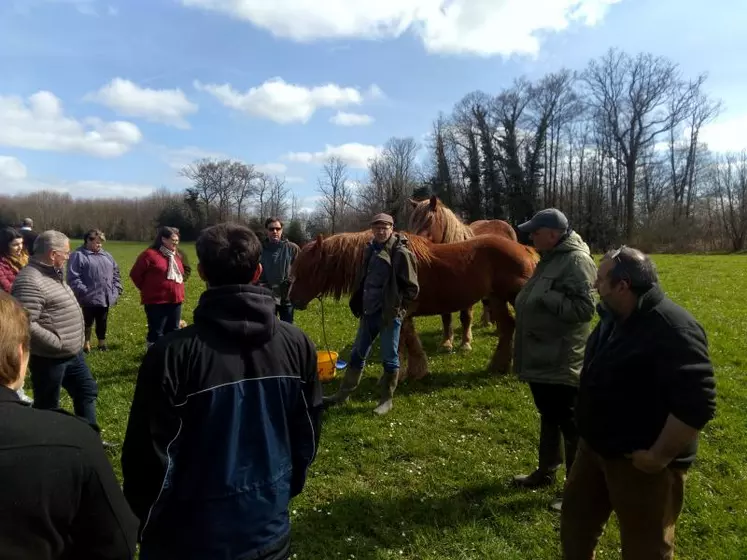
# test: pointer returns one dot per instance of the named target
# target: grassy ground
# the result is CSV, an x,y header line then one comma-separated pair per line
x,y
432,479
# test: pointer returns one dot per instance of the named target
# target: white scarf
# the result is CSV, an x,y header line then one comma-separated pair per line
x,y
172,273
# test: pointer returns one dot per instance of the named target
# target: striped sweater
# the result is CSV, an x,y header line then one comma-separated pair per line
x,y
56,318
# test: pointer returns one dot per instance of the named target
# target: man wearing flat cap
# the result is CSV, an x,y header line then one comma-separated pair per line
x,y
386,286
554,310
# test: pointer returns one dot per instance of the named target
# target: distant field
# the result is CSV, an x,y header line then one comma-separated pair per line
x,y
432,480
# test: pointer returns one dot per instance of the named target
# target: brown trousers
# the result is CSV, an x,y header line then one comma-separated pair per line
x,y
646,505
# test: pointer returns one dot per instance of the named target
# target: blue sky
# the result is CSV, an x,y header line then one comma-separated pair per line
x,y
109,98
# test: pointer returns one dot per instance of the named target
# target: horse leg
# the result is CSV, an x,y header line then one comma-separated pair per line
x,y
486,319
417,365
501,361
448,341
403,351
465,316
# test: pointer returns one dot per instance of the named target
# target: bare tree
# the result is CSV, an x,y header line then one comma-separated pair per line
x,y
637,99
262,194
216,184
245,177
730,189
336,192
278,197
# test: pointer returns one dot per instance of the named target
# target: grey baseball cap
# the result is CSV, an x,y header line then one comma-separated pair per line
x,y
549,217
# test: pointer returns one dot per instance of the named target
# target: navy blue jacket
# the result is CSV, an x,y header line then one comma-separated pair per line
x,y
223,427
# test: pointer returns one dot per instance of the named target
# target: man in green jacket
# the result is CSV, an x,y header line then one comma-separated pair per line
x,y
553,317
385,287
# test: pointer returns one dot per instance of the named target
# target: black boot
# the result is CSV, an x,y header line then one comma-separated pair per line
x,y
550,458
388,383
349,384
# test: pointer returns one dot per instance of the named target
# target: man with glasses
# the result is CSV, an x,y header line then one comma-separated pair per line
x,y
647,389
386,285
57,329
278,255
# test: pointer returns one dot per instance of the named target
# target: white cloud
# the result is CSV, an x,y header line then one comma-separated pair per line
x,y
354,154
179,158
11,168
166,106
80,189
726,134
272,168
283,102
482,27
351,119
40,124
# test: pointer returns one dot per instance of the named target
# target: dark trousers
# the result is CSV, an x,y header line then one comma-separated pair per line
x,y
285,313
99,315
646,505
49,374
556,404
162,319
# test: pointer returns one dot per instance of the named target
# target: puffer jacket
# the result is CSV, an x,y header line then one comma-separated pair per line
x,y
56,318
554,310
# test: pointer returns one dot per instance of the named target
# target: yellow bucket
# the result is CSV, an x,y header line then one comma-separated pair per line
x,y
325,365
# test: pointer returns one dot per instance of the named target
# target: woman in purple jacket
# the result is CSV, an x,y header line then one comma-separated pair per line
x,y
93,275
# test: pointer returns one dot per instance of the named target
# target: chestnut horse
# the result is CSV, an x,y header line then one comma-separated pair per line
x,y
451,277
435,221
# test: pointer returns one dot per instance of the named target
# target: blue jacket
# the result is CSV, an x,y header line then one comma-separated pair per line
x,y
223,427
94,278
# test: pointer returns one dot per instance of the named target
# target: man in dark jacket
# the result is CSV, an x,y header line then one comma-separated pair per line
x,y
29,235
386,285
59,497
278,255
647,389
225,419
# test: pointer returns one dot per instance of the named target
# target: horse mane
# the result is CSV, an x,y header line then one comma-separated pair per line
x,y
341,256
454,230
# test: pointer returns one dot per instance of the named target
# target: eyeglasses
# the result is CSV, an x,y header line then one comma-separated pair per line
x,y
274,228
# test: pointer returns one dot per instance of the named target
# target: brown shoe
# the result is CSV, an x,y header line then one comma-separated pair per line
x,y
538,479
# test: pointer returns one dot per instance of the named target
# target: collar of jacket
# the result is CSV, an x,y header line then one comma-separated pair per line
x,y
47,269
244,312
9,395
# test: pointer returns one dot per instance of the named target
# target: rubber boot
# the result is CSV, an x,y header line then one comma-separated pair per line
x,y
570,444
388,383
87,343
102,346
549,458
349,384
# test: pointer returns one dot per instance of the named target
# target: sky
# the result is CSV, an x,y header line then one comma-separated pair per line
x,y
105,98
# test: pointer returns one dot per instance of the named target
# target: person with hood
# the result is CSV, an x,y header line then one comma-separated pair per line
x,y
93,275
554,310
225,418
278,255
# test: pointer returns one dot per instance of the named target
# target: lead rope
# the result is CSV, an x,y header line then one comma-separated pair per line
x,y
324,330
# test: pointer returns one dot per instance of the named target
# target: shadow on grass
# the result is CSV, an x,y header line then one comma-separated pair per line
x,y
361,525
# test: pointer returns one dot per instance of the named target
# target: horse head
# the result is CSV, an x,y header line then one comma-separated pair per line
x,y
425,219
306,274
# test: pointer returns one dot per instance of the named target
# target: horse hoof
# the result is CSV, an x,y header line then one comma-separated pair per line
x,y
448,348
467,347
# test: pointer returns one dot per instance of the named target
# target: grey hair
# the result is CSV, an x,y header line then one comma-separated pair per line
x,y
50,240
633,266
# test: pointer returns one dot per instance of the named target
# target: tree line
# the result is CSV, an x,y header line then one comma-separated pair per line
x,y
616,146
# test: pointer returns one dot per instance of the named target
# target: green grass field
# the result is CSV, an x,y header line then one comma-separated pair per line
x,y
432,480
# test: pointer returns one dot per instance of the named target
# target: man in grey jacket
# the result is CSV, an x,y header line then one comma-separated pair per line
x,y
56,329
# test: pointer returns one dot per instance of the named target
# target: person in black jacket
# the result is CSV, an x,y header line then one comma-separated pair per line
x,y
646,390
59,497
225,419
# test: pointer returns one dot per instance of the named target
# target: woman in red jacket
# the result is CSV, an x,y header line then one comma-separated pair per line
x,y
160,273
12,257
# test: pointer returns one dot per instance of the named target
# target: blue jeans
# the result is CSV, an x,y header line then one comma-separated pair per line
x,y
368,329
49,374
162,319
285,313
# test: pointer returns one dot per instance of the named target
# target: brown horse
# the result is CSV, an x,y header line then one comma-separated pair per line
x,y
435,221
451,277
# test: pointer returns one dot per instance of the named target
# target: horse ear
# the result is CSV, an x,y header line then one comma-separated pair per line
x,y
433,201
413,203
